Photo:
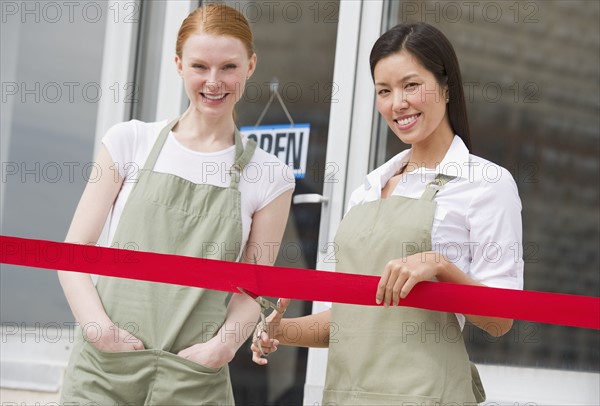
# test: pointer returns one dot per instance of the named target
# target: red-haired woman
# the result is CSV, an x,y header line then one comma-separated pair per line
x,y
185,193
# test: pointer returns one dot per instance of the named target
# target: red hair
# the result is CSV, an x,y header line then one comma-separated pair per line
x,y
215,19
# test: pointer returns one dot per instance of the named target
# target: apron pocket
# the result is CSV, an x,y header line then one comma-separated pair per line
x,y
119,357
197,367
180,381
123,365
109,377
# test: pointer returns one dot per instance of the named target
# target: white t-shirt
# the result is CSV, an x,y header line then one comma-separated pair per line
x,y
129,144
477,222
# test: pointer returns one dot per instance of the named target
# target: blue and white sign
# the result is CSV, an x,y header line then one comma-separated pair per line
x,y
287,142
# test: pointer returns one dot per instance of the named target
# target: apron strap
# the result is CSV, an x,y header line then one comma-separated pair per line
x,y
242,155
435,185
160,141
242,158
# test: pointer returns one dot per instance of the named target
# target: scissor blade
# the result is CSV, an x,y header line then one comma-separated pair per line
x,y
249,293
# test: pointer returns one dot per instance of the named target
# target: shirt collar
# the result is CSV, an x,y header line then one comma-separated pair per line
x,y
455,163
381,175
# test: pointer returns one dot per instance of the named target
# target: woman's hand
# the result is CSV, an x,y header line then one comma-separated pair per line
x,y
214,353
402,274
111,338
268,342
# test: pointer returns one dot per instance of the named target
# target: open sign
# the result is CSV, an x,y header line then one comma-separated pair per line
x,y
287,142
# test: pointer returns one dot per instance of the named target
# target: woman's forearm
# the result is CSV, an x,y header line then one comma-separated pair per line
x,y
240,322
307,331
83,298
495,326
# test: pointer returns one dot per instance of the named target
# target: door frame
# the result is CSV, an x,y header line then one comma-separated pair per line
x,y
351,126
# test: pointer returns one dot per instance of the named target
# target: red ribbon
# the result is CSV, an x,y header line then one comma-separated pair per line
x,y
301,284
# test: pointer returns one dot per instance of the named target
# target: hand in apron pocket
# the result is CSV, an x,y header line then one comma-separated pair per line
x,y
215,353
110,338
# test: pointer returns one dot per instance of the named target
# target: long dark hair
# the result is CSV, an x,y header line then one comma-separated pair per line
x,y
433,50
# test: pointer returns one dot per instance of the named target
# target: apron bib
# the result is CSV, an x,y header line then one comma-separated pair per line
x,y
398,355
171,215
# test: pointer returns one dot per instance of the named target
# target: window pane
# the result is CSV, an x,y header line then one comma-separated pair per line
x,y
530,72
51,66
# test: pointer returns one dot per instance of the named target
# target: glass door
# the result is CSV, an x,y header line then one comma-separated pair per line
x,y
295,43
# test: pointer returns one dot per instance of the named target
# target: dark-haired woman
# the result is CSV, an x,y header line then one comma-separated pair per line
x,y
433,212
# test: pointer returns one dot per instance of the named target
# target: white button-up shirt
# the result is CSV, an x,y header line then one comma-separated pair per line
x,y
477,223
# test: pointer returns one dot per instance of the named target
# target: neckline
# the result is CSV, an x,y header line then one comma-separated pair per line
x,y
199,153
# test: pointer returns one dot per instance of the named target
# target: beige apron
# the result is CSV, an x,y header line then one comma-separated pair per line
x,y
398,355
165,214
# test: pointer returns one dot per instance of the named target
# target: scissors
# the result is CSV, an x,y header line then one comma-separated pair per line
x,y
264,306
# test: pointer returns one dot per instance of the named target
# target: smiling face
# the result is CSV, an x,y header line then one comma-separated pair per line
x,y
411,100
214,69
